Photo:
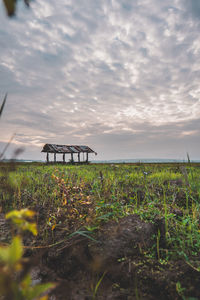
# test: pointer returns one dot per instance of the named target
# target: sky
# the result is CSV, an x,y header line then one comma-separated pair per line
x,y
121,76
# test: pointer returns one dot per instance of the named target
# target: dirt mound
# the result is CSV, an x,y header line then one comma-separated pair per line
x,y
118,240
114,241
116,256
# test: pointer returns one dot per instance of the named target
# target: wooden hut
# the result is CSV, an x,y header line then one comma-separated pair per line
x,y
73,150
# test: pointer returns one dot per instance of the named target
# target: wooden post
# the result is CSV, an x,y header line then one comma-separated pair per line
x,y
54,157
72,159
87,157
47,157
64,157
79,157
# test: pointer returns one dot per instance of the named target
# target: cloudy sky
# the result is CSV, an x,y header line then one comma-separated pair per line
x,y
122,76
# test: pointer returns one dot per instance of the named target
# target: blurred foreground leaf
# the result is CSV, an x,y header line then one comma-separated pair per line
x,y
10,6
20,214
12,254
21,218
33,292
15,250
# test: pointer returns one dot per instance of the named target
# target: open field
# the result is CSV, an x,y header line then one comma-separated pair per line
x,y
127,231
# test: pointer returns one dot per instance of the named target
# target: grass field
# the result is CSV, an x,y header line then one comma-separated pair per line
x,y
80,203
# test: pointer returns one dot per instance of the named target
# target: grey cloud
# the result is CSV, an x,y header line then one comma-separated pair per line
x,y
105,72
194,7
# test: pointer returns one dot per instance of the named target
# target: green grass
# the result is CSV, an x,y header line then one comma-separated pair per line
x,y
87,195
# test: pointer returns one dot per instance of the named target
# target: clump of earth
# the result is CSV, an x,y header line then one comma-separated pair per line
x,y
116,266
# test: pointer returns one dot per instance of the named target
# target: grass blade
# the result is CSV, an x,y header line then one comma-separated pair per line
x,y
3,104
6,147
97,285
83,233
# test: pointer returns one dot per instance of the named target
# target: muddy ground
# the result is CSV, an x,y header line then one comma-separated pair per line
x,y
116,265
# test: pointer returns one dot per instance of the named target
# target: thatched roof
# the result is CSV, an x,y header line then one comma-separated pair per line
x,y
53,148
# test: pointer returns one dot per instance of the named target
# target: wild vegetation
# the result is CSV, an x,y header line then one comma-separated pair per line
x,y
111,231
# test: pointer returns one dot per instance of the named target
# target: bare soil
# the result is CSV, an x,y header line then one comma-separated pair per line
x,y
118,259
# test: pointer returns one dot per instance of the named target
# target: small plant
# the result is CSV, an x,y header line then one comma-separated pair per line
x,y
180,290
15,281
96,287
158,244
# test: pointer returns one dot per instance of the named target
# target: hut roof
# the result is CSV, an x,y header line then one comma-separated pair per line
x,y
53,148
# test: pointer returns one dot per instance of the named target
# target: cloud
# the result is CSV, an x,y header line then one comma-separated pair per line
x,y
116,72
193,7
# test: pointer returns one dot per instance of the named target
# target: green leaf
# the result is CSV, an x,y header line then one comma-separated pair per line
x,y
35,291
15,250
13,253
83,233
98,284
19,218
30,227
25,284
20,214
4,254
